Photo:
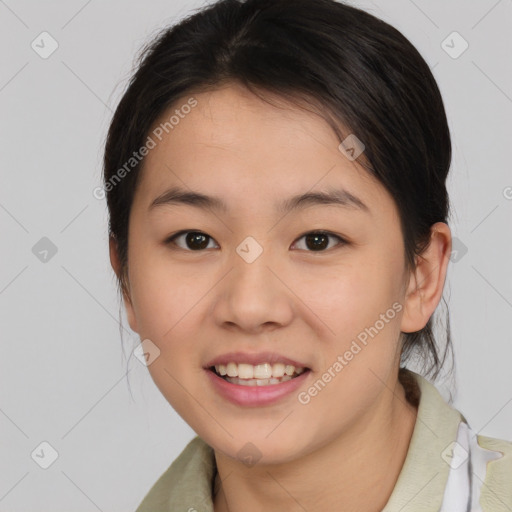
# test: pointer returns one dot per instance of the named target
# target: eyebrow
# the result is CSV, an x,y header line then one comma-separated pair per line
x,y
332,197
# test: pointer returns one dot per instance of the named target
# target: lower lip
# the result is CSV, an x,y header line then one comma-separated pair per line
x,y
255,395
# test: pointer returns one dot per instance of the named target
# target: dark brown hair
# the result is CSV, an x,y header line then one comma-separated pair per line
x,y
357,71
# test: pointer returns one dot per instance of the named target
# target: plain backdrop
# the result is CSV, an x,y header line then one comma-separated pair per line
x,y
63,370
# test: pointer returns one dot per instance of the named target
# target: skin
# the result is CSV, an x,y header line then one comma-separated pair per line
x,y
348,444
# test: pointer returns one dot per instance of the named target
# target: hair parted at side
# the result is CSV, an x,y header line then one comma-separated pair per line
x,y
360,73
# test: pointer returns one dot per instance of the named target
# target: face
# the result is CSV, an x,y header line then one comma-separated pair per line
x,y
255,282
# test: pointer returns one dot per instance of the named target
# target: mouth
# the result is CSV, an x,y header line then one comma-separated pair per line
x,y
264,374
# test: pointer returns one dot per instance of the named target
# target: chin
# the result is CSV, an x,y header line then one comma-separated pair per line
x,y
254,447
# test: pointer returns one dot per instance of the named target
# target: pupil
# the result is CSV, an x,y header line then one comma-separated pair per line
x,y
315,239
194,237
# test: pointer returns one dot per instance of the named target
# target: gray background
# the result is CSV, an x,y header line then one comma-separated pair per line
x,y
63,370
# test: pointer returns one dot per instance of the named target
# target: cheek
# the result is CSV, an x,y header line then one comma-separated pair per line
x,y
361,306
349,297
164,299
162,294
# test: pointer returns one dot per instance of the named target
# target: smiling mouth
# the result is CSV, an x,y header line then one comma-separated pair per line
x,y
265,374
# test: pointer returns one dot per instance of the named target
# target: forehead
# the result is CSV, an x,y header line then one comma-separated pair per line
x,y
234,144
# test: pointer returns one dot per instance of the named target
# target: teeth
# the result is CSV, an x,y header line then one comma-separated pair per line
x,y
232,370
258,382
261,371
277,370
246,371
264,372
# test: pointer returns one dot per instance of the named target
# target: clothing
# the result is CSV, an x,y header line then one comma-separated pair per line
x,y
448,467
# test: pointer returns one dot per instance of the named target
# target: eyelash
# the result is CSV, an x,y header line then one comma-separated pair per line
x,y
171,239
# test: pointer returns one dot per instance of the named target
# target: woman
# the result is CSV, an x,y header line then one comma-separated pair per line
x,y
276,184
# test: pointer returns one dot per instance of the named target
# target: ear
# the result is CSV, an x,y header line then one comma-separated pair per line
x,y
426,283
116,265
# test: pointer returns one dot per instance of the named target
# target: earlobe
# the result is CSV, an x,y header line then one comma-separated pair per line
x,y
426,283
116,265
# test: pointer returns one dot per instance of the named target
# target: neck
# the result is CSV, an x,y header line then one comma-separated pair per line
x,y
356,472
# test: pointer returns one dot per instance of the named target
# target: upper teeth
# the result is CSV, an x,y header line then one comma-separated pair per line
x,y
259,371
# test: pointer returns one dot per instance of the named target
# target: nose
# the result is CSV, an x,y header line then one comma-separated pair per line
x,y
254,297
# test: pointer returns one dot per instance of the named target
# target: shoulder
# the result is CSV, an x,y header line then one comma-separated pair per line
x,y
496,492
472,470
187,482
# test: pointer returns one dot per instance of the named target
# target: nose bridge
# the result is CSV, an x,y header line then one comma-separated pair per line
x,y
252,260
252,294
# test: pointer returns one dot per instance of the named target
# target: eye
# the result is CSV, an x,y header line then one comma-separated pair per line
x,y
317,241
194,240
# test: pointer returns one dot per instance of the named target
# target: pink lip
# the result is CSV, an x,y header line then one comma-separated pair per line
x,y
255,395
254,359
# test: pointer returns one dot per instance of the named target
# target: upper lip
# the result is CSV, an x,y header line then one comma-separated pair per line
x,y
253,358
